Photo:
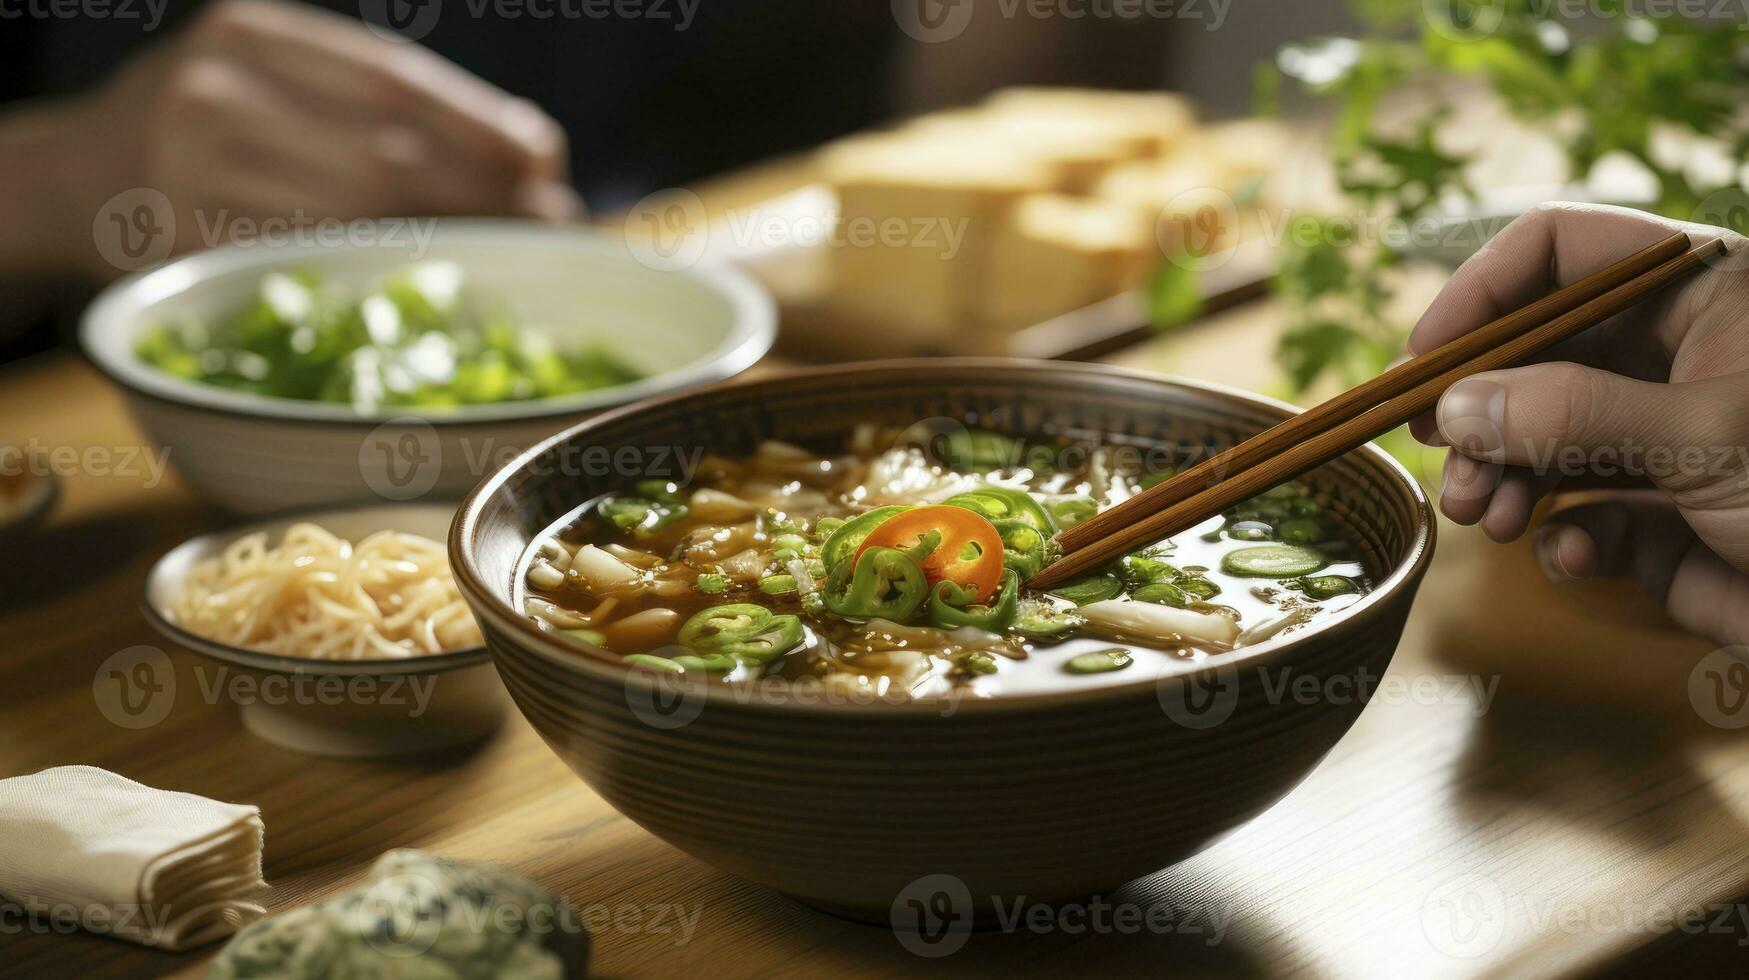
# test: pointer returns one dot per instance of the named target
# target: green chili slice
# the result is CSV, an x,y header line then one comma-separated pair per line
x,y
849,536
749,633
777,584
1023,547
882,583
651,662
1073,511
1326,586
948,609
787,546
825,526
1090,588
1273,561
995,503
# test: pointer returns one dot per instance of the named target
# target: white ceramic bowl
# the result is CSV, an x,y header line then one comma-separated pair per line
x,y
254,454
342,708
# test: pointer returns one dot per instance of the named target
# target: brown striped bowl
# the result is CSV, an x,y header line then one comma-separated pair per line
x,y
878,809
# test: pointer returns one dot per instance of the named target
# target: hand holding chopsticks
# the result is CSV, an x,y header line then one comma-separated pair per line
x,y
1366,411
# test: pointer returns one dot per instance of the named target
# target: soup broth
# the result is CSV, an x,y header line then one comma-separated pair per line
x,y
895,570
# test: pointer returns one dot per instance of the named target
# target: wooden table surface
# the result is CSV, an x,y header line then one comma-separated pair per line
x,y
1532,789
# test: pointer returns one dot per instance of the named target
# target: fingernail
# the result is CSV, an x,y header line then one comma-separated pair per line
x,y
1455,480
1472,417
1466,479
1547,544
1542,543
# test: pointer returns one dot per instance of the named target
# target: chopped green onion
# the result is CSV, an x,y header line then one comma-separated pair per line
x,y
1163,593
1098,661
777,584
1039,619
979,663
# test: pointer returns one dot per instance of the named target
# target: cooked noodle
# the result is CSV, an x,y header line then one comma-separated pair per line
x,y
390,596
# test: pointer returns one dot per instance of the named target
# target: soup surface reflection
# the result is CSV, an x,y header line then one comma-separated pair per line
x,y
895,570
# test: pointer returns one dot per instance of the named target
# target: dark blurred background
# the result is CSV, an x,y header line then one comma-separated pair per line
x,y
647,105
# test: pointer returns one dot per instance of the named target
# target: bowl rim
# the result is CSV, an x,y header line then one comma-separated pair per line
x,y
281,663
752,330
488,602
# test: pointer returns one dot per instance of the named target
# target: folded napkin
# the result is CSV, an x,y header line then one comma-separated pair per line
x,y
164,869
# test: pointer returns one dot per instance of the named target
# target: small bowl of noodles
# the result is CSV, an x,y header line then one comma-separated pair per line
x,y
338,633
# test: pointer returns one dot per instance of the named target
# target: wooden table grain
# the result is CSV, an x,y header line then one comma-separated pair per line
x,y
1531,790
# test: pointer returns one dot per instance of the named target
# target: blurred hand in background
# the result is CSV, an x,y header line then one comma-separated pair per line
x,y
271,109
1659,394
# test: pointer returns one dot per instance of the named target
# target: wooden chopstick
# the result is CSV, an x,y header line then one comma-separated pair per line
x,y
1363,396
1360,415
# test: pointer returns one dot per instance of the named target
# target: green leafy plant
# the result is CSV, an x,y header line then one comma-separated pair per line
x,y
1608,84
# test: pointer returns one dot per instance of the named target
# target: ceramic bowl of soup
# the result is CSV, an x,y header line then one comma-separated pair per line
x,y
783,627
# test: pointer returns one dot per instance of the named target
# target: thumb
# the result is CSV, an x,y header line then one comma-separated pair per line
x,y
1569,419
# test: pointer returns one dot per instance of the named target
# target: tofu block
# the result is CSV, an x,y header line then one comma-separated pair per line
x,y
915,225
1078,149
1060,253
1186,200
1158,121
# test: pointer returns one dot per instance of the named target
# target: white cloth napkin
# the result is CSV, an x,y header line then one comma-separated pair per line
x,y
165,869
